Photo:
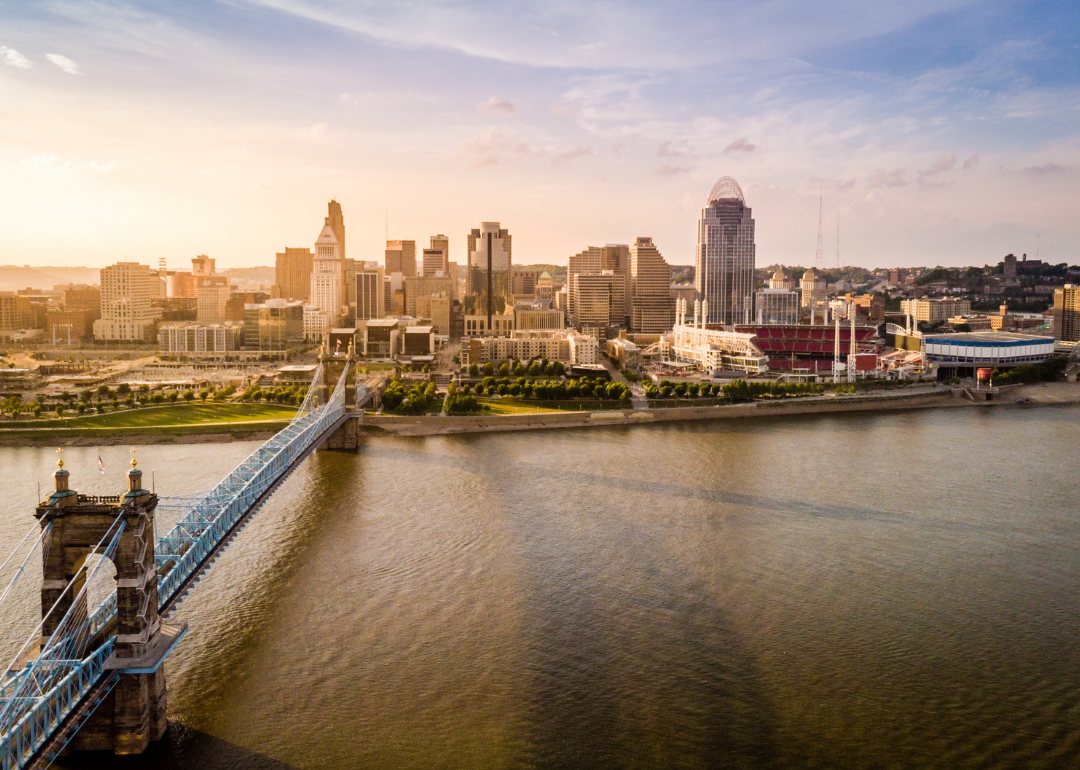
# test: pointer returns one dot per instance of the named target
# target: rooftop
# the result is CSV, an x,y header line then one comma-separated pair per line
x,y
988,338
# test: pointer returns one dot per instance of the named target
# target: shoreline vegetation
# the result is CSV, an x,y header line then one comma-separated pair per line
x,y
224,422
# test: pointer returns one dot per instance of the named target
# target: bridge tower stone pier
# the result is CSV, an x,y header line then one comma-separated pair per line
x,y
347,437
134,713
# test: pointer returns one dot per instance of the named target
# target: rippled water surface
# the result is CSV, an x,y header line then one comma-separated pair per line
x,y
857,592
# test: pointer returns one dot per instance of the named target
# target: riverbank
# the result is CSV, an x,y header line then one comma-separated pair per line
x,y
1050,394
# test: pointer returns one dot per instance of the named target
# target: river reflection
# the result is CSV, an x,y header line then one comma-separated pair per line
x,y
832,591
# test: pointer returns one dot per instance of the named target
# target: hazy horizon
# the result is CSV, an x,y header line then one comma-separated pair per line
x,y
941,133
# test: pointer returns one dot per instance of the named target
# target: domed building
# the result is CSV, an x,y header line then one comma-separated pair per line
x,y
813,288
781,280
724,256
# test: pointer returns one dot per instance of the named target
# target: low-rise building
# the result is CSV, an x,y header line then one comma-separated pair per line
x,y
624,352
380,337
199,337
501,325
777,306
539,315
937,309
584,349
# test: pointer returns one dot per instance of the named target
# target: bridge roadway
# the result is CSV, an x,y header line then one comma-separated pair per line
x,y
36,724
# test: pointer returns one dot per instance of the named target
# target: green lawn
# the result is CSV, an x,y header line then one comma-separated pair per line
x,y
175,414
528,406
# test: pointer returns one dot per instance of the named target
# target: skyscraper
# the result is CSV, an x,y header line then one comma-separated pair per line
x,y
489,241
327,289
652,307
126,312
432,261
614,257
724,259
400,257
292,274
337,224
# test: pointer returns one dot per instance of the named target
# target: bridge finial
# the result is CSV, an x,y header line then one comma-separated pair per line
x,y
134,462
60,458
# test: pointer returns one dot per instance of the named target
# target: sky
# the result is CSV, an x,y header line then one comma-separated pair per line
x,y
943,132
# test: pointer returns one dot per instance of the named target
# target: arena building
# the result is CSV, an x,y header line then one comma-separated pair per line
x,y
958,355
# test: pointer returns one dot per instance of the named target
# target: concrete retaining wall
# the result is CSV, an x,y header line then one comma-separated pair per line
x,y
443,424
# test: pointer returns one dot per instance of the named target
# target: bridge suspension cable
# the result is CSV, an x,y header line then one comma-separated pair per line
x,y
42,691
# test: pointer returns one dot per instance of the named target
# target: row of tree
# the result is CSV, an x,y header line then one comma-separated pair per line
x,y
533,368
404,399
736,392
553,390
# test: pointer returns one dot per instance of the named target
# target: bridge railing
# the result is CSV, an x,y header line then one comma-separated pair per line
x,y
200,530
37,697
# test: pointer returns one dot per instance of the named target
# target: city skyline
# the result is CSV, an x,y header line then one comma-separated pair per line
x,y
569,125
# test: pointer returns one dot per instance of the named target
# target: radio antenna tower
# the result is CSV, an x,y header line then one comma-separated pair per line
x,y
819,258
837,240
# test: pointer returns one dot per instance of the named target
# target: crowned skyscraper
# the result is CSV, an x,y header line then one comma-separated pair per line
x,y
724,260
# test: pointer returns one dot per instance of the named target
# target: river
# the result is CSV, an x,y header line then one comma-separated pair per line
x,y
848,591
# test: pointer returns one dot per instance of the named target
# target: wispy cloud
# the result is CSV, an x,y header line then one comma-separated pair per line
x,y
1048,168
670,149
937,168
895,178
740,145
669,170
64,63
577,152
489,147
970,162
496,105
13,58
561,109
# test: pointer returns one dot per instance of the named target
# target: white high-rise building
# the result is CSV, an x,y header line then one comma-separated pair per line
x,y
724,259
327,291
126,311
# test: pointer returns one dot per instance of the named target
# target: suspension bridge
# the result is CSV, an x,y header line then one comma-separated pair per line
x,y
92,677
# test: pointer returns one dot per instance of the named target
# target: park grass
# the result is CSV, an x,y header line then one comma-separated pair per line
x,y
161,416
530,406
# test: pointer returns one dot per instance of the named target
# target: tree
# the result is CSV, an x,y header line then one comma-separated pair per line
x,y
189,395
519,369
59,409
144,388
36,410
204,394
474,370
504,369
123,389
534,369
173,395
503,389
489,369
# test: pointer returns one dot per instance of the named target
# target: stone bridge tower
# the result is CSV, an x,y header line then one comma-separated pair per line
x,y
133,714
348,435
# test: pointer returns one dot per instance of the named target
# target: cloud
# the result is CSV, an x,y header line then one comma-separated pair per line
x,y
489,147
496,105
1047,168
577,152
740,145
64,63
563,109
669,170
974,159
894,178
318,131
939,166
52,163
14,59
668,149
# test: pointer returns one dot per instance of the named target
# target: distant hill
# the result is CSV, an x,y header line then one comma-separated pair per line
x,y
251,278
15,277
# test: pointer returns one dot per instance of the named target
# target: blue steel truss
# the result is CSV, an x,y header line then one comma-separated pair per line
x,y
41,695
